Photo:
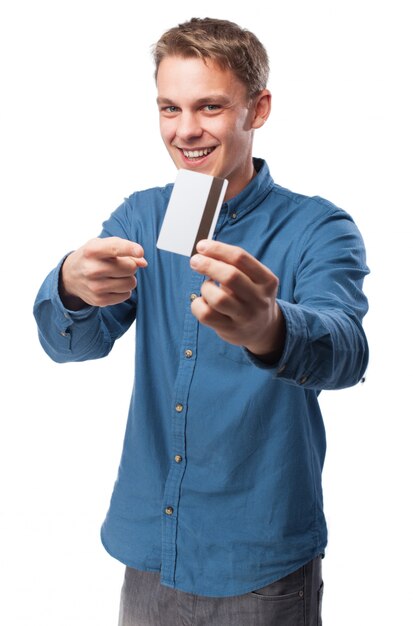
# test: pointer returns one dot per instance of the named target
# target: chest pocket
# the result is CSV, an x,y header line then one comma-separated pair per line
x,y
233,353
214,348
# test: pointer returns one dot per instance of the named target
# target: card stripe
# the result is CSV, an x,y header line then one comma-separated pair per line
x,y
209,211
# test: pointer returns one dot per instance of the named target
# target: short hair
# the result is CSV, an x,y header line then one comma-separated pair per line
x,y
224,42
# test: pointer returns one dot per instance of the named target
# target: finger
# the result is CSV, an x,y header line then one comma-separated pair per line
x,y
236,256
206,315
124,265
109,291
111,268
220,300
113,247
113,286
229,277
108,299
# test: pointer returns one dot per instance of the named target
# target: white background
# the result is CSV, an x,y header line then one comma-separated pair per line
x,y
78,132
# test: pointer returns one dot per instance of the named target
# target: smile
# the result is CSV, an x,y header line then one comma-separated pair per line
x,y
196,154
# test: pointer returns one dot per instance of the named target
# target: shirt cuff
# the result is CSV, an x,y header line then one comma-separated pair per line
x,y
291,365
66,316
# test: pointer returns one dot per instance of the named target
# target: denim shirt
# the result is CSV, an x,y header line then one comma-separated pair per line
x,y
219,484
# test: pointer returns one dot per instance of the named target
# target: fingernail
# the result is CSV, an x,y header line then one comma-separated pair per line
x,y
195,260
202,245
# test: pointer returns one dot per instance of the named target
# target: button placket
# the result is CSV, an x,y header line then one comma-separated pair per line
x,y
171,501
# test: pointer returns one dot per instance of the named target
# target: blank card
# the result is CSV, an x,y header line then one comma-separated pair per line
x,y
192,211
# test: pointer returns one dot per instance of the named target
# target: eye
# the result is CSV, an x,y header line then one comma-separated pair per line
x,y
211,107
169,110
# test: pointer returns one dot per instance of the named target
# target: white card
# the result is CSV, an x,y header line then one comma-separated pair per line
x,y
192,211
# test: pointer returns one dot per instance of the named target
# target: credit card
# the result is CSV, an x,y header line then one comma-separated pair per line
x,y
192,212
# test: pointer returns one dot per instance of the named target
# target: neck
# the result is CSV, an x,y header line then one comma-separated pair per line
x,y
237,186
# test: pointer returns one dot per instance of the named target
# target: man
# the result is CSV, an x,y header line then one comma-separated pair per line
x,y
217,509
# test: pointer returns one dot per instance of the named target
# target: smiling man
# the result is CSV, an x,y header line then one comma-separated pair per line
x,y
217,510
207,118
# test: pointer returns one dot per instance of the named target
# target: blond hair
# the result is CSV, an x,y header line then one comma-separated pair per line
x,y
224,42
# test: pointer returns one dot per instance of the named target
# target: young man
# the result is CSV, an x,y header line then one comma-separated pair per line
x,y
217,510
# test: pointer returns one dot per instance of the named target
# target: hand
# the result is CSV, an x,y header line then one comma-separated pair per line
x,y
238,300
100,273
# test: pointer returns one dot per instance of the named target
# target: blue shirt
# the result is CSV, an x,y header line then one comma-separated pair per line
x,y
219,484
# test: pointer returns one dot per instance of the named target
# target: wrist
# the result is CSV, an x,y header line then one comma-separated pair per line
x,y
69,300
270,348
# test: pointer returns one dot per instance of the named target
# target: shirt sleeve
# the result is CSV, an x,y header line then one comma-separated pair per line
x,y
325,347
91,332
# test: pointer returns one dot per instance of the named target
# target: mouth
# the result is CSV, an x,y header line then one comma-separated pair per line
x,y
199,154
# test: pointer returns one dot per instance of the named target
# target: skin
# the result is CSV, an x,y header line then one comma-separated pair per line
x,y
201,107
100,273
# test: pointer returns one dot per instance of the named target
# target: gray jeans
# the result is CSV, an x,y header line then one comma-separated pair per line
x,y
292,601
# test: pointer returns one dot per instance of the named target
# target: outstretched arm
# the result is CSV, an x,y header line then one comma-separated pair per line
x,y
100,273
239,299
315,339
88,301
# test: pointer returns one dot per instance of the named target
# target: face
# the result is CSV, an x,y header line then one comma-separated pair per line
x,y
206,121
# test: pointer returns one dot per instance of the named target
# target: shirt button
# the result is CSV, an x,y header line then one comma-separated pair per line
x,y
178,458
64,333
193,297
188,353
234,216
303,380
169,510
281,369
179,407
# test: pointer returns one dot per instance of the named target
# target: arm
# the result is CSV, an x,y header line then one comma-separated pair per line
x,y
320,342
326,347
100,273
86,303
239,299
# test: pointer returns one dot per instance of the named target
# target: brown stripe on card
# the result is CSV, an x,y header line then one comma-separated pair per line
x,y
209,211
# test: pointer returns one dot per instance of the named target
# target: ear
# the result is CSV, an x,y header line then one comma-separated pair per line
x,y
262,108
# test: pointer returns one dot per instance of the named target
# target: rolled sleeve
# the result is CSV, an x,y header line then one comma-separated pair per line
x,y
325,345
64,334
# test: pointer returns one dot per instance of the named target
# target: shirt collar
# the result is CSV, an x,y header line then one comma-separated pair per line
x,y
254,192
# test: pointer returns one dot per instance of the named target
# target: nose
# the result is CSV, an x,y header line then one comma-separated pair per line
x,y
188,126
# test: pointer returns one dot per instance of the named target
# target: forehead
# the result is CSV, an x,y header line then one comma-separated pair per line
x,y
196,77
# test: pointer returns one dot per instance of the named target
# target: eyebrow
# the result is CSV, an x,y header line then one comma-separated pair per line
x,y
212,99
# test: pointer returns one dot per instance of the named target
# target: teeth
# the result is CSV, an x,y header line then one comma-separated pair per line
x,y
193,154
